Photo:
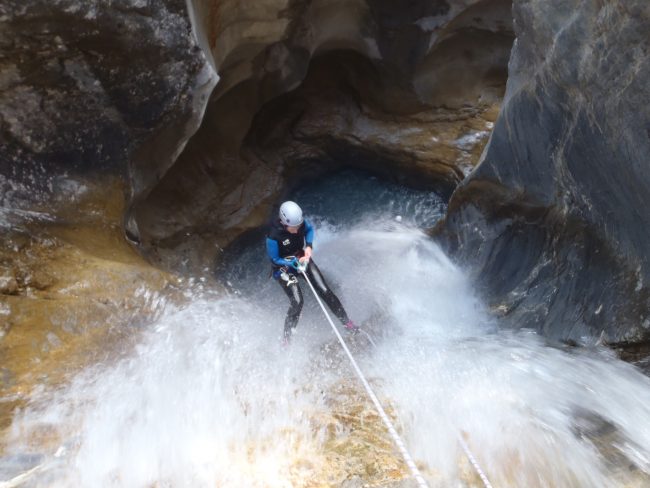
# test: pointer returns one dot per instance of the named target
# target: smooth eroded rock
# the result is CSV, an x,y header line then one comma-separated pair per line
x,y
555,219
93,88
399,89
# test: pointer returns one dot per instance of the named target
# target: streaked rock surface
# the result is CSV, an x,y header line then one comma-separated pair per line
x,y
555,219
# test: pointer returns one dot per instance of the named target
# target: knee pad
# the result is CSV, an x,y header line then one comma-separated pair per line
x,y
296,296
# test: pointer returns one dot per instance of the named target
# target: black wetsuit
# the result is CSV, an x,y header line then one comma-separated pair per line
x,y
280,243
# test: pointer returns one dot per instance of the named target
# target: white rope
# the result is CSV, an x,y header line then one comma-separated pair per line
x,y
474,462
24,477
389,425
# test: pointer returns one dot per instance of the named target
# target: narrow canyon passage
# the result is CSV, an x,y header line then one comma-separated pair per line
x,y
209,397
476,171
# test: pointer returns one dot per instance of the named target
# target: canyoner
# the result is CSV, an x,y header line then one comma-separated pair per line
x,y
289,246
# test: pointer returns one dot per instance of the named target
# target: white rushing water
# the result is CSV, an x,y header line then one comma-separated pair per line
x,y
209,397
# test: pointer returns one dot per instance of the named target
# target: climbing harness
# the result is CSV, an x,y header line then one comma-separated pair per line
x,y
290,279
389,425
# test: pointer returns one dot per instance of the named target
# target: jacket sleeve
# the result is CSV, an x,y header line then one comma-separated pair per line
x,y
309,234
273,251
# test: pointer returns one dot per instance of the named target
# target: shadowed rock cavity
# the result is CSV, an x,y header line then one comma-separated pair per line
x,y
409,91
555,218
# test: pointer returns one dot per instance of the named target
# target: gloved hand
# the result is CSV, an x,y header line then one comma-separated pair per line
x,y
295,263
307,256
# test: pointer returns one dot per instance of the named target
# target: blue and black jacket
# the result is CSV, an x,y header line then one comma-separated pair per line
x,y
280,243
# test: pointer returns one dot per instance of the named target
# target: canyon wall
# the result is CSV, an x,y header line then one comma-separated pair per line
x,y
554,221
305,86
93,88
96,101
119,139
97,95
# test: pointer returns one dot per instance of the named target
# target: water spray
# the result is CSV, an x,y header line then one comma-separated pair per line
x,y
382,413
369,337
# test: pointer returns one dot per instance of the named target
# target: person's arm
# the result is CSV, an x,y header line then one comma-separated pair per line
x,y
309,241
273,251
309,234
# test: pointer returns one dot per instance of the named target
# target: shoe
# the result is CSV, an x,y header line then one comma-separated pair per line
x,y
286,337
351,327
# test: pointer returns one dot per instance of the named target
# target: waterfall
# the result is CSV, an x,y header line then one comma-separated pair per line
x,y
208,396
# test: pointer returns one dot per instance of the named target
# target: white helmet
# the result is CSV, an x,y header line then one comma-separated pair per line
x,y
290,214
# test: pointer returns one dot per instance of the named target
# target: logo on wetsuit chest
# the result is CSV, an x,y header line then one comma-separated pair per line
x,y
286,242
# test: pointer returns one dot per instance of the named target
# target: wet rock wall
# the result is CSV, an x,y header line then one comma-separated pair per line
x,y
96,101
305,85
89,88
554,221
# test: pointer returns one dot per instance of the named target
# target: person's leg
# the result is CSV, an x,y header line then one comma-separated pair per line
x,y
323,290
291,287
